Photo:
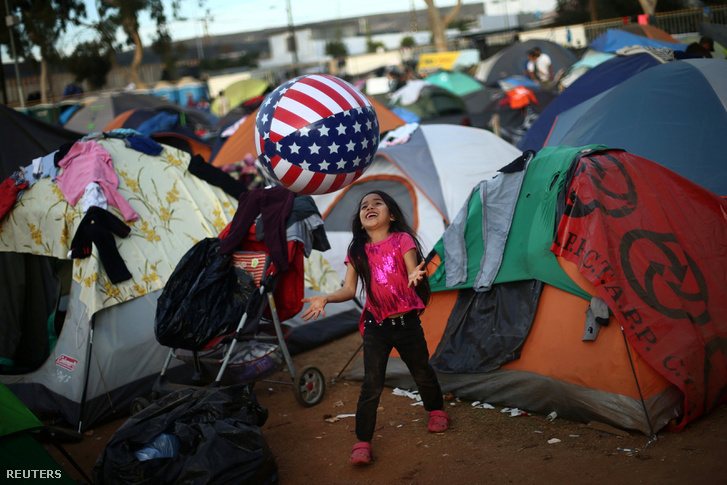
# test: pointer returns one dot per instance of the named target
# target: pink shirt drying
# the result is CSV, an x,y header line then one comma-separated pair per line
x,y
87,162
389,277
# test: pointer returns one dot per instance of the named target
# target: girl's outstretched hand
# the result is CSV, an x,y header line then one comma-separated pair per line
x,y
416,276
316,308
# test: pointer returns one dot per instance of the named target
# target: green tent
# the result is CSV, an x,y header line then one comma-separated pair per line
x,y
21,455
527,252
455,82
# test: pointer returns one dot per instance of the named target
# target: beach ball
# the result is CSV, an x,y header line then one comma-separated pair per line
x,y
316,134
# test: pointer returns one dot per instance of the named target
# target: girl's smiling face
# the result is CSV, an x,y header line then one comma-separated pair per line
x,y
374,213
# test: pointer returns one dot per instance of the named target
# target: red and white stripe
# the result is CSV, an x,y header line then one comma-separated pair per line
x,y
310,99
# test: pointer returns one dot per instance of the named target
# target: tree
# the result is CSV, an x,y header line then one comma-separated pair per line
x,y
336,48
125,13
408,42
89,63
438,24
41,24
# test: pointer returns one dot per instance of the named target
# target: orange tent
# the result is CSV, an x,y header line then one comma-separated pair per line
x,y
178,140
242,141
650,31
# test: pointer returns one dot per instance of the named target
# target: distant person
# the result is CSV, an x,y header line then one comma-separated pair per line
x,y
397,79
708,43
223,104
540,68
698,50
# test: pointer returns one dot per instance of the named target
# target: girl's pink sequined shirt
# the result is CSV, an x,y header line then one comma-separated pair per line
x,y
389,277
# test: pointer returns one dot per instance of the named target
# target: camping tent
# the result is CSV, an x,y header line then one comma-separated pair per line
x,y
650,31
456,82
24,138
595,81
175,127
19,450
615,39
106,353
674,114
511,60
234,147
240,91
93,113
589,59
426,176
431,103
512,320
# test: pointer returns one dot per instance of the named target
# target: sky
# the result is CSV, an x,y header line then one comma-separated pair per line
x,y
231,16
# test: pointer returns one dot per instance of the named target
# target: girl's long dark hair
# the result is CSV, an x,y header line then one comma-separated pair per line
x,y
357,248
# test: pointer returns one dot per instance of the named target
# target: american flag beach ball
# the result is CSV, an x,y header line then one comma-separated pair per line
x,y
316,134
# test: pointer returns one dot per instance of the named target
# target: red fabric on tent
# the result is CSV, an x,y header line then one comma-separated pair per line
x,y
654,244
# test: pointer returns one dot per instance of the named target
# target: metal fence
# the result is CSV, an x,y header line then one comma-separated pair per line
x,y
678,22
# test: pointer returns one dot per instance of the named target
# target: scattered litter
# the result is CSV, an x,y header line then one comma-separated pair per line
x,y
418,403
573,435
482,405
537,431
409,394
331,419
338,404
628,450
341,416
514,412
551,417
553,441
399,425
453,404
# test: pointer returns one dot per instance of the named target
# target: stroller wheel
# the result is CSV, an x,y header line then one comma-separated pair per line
x,y
138,404
309,386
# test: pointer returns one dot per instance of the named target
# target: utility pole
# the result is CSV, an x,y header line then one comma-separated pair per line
x,y
292,44
12,21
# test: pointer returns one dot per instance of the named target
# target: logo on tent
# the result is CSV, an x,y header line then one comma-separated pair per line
x,y
66,362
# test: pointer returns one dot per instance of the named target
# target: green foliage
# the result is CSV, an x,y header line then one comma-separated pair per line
x,y
336,48
372,46
408,41
89,62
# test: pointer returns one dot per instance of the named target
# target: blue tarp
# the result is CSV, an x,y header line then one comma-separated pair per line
x,y
614,39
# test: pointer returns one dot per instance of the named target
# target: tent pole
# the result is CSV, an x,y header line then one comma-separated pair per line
x,y
88,373
638,387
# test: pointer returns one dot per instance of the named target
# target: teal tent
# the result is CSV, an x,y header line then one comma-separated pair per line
x,y
21,455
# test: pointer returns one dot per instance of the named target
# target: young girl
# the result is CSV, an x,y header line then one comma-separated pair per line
x,y
385,255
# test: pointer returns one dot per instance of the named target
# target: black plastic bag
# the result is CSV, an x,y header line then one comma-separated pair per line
x,y
220,441
204,298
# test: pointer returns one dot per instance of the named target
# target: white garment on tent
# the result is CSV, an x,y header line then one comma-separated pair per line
x,y
93,195
409,93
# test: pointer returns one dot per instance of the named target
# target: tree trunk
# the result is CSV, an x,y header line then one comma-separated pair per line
x,y
648,6
593,8
437,24
43,81
132,27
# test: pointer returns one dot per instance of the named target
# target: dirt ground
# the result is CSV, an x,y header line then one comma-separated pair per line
x,y
482,446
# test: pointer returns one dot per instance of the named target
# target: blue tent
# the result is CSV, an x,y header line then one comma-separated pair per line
x,y
614,39
597,80
674,114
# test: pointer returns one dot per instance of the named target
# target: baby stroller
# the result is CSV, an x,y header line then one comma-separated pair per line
x,y
259,325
